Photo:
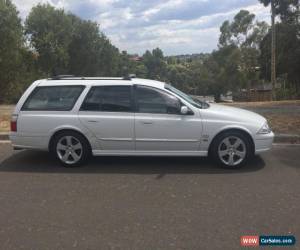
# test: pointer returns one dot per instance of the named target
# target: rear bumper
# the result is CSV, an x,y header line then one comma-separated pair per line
x,y
30,142
263,142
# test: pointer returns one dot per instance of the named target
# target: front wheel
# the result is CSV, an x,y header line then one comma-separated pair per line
x,y
231,149
70,148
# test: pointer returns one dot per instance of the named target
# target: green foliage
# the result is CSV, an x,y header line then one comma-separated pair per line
x,y
288,10
242,31
50,33
55,42
237,57
155,64
288,54
13,55
84,48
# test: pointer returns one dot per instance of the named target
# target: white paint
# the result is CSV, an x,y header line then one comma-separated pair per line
x,y
121,133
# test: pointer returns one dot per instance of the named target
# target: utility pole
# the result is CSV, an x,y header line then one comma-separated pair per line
x,y
273,50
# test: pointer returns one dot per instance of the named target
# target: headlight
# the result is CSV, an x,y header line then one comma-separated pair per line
x,y
265,129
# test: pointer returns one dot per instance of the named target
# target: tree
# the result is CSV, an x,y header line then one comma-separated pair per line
x,y
288,54
239,43
155,64
243,31
11,43
223,68
84,48
288,10
66,44
50,32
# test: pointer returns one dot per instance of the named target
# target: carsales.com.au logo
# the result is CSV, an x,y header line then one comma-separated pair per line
x,y
254,240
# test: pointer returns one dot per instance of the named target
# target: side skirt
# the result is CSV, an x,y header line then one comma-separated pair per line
x,y
149,153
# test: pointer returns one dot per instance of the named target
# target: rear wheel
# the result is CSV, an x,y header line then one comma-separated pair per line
x,y
70,148
231,149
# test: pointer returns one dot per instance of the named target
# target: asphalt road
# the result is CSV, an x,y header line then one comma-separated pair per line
x,y
146,203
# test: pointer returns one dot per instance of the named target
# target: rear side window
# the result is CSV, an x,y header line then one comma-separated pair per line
x,y
53,98
108,99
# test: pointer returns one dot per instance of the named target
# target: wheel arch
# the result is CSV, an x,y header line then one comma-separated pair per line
x,y
240,130
64,130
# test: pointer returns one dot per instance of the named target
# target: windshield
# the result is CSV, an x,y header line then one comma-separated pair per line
x,y
195,102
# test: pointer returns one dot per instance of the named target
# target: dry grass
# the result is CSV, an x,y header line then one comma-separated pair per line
x,y
283,116
284,124
5,113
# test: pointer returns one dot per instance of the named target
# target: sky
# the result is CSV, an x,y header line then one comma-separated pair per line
x,y
175,26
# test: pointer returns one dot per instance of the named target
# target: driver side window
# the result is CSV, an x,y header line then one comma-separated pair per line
x,y
151,100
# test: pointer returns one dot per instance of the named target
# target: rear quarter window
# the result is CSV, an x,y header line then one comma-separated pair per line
x,y
52,98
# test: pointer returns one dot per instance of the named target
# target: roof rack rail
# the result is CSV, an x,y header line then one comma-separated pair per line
x,y
129,77
58,77
72,77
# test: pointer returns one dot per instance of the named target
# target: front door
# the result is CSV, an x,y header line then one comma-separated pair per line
x,y
159,125
107,113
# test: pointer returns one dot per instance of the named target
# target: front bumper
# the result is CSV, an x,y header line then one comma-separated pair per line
x,y
263,142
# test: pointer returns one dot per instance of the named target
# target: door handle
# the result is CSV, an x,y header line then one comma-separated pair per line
x,y
147,123
92,121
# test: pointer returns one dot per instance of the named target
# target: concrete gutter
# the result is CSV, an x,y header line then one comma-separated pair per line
x,y
279,138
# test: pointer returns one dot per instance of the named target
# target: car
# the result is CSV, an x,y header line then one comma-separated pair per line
x,y
76,117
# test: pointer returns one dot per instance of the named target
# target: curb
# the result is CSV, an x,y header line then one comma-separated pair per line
x,y
279,138
287,138
4,136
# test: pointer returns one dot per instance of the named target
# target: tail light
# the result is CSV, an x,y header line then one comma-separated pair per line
x,y
13,123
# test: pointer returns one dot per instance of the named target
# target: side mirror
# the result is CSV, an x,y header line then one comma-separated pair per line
x,y
184,110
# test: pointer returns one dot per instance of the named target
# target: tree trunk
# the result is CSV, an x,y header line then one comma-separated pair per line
x,y
217,97
273,50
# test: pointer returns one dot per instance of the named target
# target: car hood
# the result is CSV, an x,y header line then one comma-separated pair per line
x,y
236,114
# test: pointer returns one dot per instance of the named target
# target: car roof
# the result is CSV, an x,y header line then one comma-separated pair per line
x,y
100,81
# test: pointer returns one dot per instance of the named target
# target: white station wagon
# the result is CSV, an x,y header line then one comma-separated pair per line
x,y
75,117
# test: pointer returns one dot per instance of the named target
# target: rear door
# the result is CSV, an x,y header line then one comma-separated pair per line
x,y
107,112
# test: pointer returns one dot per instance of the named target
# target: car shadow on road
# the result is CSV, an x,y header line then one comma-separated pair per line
x,y
42,162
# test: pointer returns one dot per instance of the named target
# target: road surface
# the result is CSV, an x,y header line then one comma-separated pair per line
x,y
146,203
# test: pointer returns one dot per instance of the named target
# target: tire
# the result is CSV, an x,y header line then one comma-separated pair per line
x,y
70,148
231,149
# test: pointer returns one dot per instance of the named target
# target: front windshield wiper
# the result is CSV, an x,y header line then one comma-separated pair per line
x,y
202,103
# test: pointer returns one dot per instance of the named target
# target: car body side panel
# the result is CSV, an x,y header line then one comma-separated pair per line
x,y
35,128
113,130
155,132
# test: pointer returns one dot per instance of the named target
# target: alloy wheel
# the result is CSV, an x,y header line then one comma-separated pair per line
x,y
232,150
69,149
